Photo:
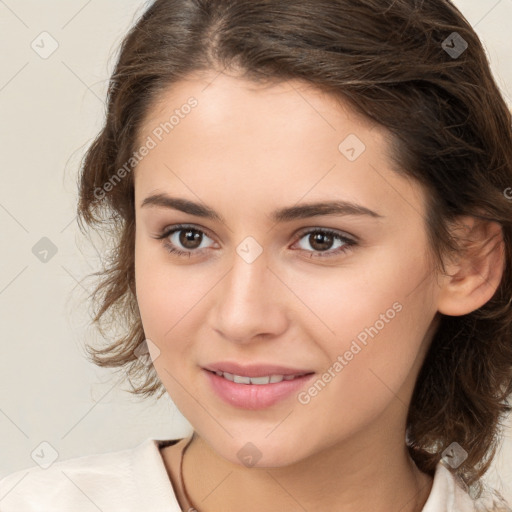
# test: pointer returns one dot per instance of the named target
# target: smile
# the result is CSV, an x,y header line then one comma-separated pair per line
x,y
269,379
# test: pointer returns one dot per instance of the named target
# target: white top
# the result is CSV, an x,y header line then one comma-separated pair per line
x,y
136,479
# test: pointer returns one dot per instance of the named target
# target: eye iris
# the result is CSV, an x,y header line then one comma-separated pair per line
x,y
324,239
189,236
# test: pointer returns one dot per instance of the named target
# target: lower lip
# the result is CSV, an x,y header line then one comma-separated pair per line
x,y
254,396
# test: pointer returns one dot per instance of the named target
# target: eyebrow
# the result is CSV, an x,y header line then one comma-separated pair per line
x,y
286,214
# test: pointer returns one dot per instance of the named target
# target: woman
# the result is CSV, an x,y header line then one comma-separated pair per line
x,y
312,239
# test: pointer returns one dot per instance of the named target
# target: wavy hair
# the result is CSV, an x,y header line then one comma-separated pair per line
x,y
450,130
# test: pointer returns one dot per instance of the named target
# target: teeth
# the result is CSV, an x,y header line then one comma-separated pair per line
x,y
259,380
241,380
270,379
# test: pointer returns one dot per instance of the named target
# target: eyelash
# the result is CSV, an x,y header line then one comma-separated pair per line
x,y
349,243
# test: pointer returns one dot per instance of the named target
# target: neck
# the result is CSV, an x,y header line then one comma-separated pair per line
x,y
347,477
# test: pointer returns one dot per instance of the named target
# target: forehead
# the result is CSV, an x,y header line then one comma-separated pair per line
x,y
225,100
247,137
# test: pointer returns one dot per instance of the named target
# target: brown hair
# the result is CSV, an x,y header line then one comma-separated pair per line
x,y
451,131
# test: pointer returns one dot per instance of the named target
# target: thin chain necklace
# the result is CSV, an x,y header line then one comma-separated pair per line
x,y
182,482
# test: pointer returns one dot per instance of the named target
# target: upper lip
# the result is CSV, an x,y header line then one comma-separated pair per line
x,y
254,370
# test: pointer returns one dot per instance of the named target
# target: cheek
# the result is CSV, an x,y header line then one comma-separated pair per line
x,y
374,291
171,300
161,293
372,328
165,301
362,379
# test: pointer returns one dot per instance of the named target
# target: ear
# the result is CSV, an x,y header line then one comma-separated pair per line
x,y
474,273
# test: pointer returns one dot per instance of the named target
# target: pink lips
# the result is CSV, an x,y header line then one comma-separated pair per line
x,y
254,396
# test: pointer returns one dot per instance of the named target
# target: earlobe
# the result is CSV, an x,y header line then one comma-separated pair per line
x,y
474,274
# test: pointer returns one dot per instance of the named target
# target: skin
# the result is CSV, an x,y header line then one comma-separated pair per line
x,y
244,151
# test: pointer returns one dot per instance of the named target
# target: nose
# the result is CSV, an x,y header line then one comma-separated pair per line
x,y
249,302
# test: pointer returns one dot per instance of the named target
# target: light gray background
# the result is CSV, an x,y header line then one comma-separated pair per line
x,y
50,110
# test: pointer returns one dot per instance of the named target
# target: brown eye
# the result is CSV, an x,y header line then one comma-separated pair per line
x,y
321,240
183,240
190,238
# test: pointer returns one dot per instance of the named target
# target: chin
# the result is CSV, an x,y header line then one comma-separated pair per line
x,y
260,452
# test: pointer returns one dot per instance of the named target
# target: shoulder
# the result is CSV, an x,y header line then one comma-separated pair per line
x,y
108,481
449,494
75,483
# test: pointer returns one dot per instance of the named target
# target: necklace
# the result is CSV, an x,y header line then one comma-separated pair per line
x,y
190,507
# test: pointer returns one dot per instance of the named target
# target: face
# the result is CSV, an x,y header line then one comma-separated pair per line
x,y
344,294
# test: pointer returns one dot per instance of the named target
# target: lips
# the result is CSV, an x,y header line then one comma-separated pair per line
x,y
254,396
